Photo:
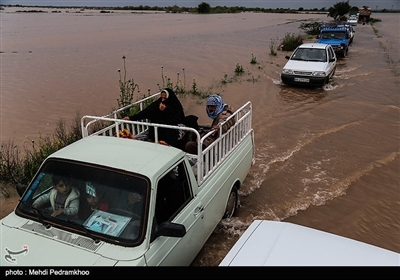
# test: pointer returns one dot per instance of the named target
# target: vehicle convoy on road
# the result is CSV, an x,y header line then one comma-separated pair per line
x,y
159,204
275,243
338,35
311,64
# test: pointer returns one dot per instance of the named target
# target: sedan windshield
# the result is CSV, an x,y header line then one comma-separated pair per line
x,y
310,54
98,202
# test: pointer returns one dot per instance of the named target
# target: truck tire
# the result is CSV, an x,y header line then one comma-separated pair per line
x,y
345,52
232,203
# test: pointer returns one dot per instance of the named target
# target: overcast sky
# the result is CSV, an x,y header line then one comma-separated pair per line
x,y
292,4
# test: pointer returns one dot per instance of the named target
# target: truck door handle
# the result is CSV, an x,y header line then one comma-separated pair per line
x,y
199,210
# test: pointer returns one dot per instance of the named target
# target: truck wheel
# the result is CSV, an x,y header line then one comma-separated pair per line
x,y
345,52
232,203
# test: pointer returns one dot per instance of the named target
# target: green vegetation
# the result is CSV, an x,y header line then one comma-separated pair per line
x,y
204,8
291,41
273,47
310,28
127,89
239,69
253,59
15,167
373,20
338,10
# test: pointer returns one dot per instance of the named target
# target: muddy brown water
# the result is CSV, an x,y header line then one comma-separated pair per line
x,y
327,158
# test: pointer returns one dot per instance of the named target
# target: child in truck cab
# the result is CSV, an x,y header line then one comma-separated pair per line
x,y
63,198
94,200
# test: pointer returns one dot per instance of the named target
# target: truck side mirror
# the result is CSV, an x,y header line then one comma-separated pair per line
x,y
168,229
20,189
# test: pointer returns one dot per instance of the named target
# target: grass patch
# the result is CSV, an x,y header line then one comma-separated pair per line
x,y
291,42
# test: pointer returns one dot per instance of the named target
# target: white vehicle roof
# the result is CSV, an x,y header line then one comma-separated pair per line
x,y
132,155
273,243
313,46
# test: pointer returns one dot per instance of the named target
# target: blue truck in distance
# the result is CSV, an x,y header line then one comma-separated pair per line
x,y
336,35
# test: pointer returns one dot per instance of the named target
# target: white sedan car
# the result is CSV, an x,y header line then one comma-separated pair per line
x,y
353,20
311,64
273,243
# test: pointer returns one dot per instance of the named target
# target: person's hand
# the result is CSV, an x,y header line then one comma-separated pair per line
x,y
162,106
34,208
57,212
126,118
133,198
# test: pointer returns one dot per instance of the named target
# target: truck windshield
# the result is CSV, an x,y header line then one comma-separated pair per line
x,y
96,201
333,35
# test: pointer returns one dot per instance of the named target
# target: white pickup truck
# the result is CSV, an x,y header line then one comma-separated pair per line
x,y
182,196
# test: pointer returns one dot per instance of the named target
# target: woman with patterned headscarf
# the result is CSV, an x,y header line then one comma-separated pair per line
x,y
219,112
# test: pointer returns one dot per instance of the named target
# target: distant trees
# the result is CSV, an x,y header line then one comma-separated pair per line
x,y
204,8
339,10
353,10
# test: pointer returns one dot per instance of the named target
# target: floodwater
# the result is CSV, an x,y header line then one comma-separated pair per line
x,y
327,158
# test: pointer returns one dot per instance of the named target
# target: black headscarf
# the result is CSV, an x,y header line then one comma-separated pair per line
x,y
172,115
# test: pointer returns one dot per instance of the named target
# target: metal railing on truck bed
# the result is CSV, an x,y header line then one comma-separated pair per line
x,y
205,162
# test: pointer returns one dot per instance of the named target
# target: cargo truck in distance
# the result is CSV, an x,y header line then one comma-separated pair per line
x,y
162,203
364,15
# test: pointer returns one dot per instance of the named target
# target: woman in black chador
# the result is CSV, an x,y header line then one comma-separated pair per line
x,y
167,109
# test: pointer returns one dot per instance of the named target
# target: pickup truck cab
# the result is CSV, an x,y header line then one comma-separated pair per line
x,y
162,203
336,35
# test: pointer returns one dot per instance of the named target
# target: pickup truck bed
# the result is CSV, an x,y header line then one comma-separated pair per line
x,y
206,160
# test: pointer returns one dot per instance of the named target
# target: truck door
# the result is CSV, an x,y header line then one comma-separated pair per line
x,y
177,201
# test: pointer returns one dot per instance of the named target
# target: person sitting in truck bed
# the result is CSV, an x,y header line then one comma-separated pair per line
x,y
167,109
219,112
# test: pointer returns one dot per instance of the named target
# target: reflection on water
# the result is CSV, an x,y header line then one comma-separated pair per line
x,y
325,157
